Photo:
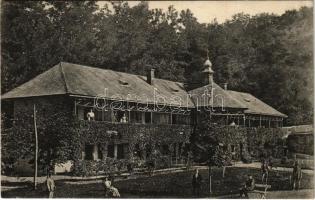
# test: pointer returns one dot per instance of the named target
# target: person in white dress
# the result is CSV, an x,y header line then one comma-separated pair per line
x,y
50,186
90,115
109,189
123,119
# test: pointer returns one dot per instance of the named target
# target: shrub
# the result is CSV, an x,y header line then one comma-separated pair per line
x,y
247,159
97,167
284,160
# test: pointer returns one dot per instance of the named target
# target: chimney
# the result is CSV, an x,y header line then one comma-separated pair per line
x,y
225,86
150,76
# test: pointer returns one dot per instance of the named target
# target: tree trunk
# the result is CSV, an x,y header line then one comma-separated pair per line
x,y
36,149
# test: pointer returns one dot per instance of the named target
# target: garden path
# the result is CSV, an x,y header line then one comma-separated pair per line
x,y
258,165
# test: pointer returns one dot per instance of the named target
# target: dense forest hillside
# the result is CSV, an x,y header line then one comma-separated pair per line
x,y
267,55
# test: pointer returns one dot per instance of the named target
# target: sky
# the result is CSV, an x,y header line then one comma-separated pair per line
x,y
206,11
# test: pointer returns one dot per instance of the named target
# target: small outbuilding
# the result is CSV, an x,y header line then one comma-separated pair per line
x,y
301,139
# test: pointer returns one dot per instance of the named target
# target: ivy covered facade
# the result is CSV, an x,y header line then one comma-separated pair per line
x,y
104,121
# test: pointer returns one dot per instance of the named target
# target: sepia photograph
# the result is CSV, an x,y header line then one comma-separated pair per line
x,y
157,99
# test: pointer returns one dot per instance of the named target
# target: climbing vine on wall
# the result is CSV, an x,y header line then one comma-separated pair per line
x,y
94,132
57,135
266,141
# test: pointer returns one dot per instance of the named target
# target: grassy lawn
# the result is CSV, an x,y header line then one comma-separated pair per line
x,y
174,185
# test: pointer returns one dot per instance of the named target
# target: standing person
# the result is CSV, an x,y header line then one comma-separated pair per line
x,y
196,183
124,119
270,163
150,165
90,115
50,186
129,167
296,175
248,186
265,171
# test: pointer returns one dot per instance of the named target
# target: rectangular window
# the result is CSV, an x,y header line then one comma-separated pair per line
x,y
92,152
110,151
186,119
135,117
120,151
148,117
180,119
80,113
107,115
174,119
89,152
98,115
161,118
100,153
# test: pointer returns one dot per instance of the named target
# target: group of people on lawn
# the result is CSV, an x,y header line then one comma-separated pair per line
x,y
265,167
249,184
111,191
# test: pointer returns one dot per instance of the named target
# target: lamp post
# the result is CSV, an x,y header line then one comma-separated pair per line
x,y
36,149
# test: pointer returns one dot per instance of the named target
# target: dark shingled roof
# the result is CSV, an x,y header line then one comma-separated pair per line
x,y
73,79
67,78
50,82
220,97
254,105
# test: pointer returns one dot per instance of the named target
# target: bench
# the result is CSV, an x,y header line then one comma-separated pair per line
x,y
260,189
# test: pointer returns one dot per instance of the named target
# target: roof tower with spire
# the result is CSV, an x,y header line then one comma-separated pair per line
x,y
207,65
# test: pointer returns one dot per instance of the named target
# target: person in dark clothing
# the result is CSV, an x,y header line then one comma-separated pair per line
x,y
150,165
129,167
248,186
296,175
196,183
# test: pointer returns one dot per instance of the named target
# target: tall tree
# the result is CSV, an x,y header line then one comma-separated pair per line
x,y
267,55
25,27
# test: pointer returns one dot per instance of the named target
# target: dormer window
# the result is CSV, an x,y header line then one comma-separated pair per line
x,y
174,90
247,99
123,82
